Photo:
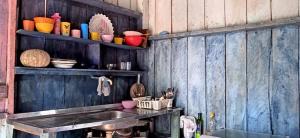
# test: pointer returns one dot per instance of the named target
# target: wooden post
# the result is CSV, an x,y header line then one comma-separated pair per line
x,y
6,130
9,131
48,135
8,39
175,128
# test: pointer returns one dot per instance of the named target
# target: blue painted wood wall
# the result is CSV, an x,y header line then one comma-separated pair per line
x,y
249,78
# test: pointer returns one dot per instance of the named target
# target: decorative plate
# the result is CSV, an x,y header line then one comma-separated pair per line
x,y
101,24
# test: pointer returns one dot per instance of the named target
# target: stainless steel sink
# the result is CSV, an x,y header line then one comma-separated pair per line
x,y
119,125
110,115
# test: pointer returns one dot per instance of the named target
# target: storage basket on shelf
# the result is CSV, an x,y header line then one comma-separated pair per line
x,y
156,104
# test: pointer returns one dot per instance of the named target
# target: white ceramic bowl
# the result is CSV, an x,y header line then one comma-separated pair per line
x,y
107,38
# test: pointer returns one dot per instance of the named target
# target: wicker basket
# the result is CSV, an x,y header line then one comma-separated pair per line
x,y
35,58
156,104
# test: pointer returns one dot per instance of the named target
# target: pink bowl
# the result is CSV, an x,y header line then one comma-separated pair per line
x,y
107,38
129,104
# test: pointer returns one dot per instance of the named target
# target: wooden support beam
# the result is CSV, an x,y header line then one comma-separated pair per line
x,y
246,27
11,53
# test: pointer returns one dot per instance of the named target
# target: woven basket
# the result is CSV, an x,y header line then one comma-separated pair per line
x,y
35,58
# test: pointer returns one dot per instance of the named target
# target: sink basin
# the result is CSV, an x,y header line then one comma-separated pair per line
x,y
110,115
119,125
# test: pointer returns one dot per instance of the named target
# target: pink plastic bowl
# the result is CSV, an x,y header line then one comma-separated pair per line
x,y
129,104
107,38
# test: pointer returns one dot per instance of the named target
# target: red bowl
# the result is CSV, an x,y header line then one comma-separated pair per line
x,y
134,40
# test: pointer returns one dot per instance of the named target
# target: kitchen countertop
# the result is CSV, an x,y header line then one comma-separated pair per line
x,y
53,121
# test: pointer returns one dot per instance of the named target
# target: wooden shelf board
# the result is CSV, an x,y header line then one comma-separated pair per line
x,y
110,7
75,72
246,27
73,39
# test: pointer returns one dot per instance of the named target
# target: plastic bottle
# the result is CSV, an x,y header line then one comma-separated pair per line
x,y
57,21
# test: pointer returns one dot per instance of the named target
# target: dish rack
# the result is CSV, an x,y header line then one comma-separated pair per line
x,y
157,104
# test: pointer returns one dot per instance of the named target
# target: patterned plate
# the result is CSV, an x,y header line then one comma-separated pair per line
x,y
101,24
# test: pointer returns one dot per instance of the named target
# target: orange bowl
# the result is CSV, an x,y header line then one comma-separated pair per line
x,y
134,40
43,24
43,20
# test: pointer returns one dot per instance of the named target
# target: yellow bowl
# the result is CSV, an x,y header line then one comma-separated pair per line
x,y
44,27
43,24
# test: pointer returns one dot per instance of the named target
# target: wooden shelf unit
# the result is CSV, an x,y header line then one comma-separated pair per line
x,y
74,72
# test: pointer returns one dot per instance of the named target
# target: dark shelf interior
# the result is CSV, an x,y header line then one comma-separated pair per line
x,y
75,72
73,39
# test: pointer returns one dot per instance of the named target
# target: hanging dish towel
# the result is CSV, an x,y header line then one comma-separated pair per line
x,y
104,86
188,123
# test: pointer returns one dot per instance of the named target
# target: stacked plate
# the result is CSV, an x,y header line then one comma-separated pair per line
x,y
63,63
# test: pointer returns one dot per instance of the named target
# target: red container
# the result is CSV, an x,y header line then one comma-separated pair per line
x,y
134,40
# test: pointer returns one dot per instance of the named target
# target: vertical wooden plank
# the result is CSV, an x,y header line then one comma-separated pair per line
x,y
124,3
163,16
235,11
121,89
60,6
11,54
162,66
179,71
215,77
258,10
143,7
90,94
77,15
133,5
151,69
3,104
214,13
258,63
284,80
236,94
179,16
145,59
152,16
3,40
9,131
5,47
162,79
30,94
175,122
74,97
196,76
53,87
123,24
196,15
73,91
284,8
36,9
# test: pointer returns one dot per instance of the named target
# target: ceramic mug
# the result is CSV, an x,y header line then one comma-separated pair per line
x,y
76,33
118,40
95,36
28,25
65,28
85,31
